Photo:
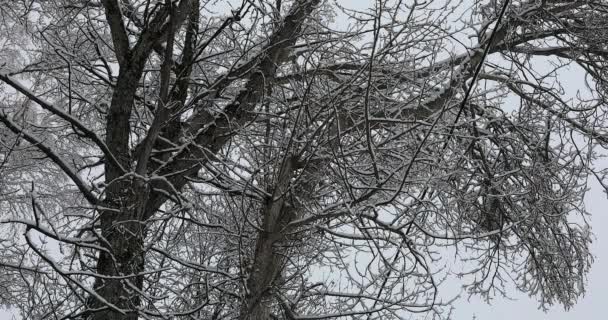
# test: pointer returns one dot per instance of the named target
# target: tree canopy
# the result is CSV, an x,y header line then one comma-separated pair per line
x,y
296,159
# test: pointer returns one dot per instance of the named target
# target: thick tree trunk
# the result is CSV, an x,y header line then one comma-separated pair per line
x,y
122,226
124,237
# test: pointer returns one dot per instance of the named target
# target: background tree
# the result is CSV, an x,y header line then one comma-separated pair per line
x,y
258,160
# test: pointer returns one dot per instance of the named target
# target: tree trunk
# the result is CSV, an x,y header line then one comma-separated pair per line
x,y
124,237
122,226
268,259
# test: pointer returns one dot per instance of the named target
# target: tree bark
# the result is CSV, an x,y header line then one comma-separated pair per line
x,y
268,257
122,228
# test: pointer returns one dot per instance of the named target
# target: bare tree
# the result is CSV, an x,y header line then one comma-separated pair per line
x,y
257,159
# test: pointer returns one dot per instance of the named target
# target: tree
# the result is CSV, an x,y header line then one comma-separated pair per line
x,y
184,159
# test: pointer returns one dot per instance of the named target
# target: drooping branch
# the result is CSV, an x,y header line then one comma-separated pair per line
x,y
65,116
48,151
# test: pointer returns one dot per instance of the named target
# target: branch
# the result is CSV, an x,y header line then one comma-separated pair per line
x,y
15,128
210,133
560,115
159,29
65,116
163,109
117,29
